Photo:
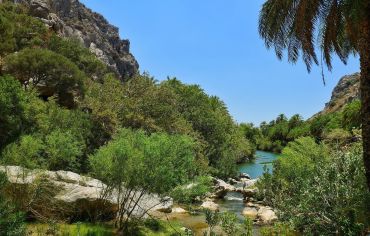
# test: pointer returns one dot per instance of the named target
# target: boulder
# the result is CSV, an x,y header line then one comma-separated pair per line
x,y
210,205
178,210
221,188
39,8
250,212
80,195
247,193
266,215
244,176
232,181
248,183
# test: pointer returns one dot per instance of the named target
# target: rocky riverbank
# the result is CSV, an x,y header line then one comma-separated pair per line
x,y
253,208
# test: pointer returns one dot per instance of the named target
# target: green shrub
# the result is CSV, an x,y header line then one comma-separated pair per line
x,y
317,190
56,151
190,192
11,220
136,162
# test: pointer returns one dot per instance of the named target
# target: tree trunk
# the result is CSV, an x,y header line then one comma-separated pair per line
x,y
365,90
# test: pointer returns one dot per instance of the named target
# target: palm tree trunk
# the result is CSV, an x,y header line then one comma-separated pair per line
x,y
365,91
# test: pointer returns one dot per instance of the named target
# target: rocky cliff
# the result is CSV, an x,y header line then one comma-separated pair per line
x,y
72,19
344,92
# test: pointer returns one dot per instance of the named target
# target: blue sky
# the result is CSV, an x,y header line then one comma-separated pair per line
x,y
215,43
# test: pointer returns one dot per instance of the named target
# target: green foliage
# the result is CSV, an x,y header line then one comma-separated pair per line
x,y
135,164
222,143
156,163
152,107
53,73
19,30
300,28
12,105
79,55
212,220
192,191
332,127
105,102
70,229
26,152
280,229
11,221
319,191
275,135
62,150
352,115
56,151
230,223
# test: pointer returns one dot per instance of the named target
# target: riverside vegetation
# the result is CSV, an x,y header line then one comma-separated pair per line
x,y
63,109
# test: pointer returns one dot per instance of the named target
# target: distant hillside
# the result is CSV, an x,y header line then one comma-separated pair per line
x,y
346,91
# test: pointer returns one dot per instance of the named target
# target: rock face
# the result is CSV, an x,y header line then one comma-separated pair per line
x,y
80,192
347,90
71,19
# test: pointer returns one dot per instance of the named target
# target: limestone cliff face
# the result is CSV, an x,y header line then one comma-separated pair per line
x,y
72,19
346,91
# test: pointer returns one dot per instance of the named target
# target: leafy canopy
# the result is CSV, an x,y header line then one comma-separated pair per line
x,y
298,25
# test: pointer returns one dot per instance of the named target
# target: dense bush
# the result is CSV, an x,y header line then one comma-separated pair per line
x,y
11,220
136,164
13,101
18,30
318,190
193,191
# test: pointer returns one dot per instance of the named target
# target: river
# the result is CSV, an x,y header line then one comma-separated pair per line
x,y
233,202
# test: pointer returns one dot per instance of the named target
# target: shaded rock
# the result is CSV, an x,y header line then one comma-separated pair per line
x,y
250,212
266,215
249,183
179,210
247,193
39,8
210,205
244,176
232,181
221,188
82,195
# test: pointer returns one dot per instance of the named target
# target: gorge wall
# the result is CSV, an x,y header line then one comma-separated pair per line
x,y
347,90
72,19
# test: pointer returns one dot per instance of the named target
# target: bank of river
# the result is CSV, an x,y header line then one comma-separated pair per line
x,y
233,201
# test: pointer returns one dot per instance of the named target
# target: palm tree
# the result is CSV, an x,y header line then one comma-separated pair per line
x,y
340,27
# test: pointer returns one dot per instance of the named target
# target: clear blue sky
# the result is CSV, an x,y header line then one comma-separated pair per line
x,y
215,43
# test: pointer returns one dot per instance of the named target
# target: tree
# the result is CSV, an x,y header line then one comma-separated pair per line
x,y
134,164
51,73
342,27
